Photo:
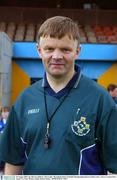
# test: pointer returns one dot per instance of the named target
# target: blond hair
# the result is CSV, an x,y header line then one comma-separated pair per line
x,y
58,27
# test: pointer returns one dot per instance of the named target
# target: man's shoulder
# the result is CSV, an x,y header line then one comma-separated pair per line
x,y
90,87
37,86
95,93
33,90
90,84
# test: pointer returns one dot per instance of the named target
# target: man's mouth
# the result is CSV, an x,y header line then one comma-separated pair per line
x,y
57,65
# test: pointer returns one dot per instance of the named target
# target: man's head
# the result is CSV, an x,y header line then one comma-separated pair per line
x,y
58,46
58,27
5,112
112,89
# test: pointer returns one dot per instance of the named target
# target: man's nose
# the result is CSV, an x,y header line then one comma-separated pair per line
x,y
57,54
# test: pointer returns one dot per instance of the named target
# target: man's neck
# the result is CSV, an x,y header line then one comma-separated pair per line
x,y
58,84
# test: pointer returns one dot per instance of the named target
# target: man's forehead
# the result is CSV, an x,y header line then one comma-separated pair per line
x,y
49,39
55,37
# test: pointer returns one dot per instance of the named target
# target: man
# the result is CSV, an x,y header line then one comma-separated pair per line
x,y
65,124
2,123
112,89
1,131
3,118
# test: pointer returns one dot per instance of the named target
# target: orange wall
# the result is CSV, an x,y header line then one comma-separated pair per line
x,y
110,76
20,80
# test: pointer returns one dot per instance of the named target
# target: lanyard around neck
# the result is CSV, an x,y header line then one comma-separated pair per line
x,y
47,139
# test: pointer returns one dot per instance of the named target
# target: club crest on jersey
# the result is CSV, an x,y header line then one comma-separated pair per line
x,y
81,128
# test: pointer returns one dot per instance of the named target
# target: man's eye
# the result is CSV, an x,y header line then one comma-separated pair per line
x,y
65,50
48,49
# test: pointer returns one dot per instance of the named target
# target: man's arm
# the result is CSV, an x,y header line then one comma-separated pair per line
x,y
12,169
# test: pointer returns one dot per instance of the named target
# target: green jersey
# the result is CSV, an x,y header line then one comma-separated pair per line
x,y
83,132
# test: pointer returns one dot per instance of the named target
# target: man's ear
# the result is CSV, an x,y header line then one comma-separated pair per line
x,y
38,49
78,50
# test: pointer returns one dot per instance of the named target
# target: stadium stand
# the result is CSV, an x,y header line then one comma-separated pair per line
x,y
27,32
97,24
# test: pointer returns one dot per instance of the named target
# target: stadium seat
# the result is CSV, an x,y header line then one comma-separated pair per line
x,y
11,27
30,32
20,32
3,26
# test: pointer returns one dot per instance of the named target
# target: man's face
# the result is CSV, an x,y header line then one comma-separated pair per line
x,y
58,55
5,114
115,92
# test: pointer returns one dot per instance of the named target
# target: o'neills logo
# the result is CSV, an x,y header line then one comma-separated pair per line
x,y
33,111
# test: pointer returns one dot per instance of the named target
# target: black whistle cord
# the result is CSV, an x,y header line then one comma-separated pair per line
x,y
47,139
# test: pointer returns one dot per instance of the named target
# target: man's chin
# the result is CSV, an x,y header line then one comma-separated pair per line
x,y
57,75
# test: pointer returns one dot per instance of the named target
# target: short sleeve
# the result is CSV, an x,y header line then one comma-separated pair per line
x,y
107,134
11,150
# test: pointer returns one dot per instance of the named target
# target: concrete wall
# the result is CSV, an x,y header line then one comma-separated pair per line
x,y
5,69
